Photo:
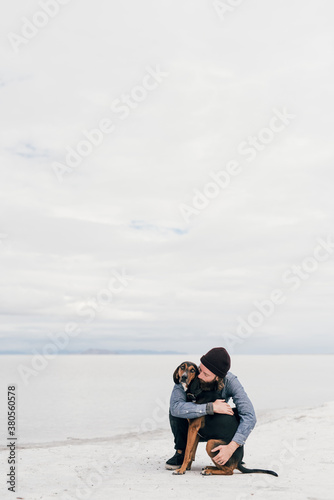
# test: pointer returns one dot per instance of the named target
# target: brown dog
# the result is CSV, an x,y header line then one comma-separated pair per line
x,y
219,429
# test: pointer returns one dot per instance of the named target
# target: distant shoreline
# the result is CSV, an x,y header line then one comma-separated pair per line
x,y
93,352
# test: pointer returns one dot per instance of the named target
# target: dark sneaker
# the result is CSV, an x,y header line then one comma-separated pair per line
x,y
175,462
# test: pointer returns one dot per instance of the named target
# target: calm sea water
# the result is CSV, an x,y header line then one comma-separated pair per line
x,y
86,397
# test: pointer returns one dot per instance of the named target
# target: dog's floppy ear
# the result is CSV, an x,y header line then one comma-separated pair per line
x,y
197,370
176,377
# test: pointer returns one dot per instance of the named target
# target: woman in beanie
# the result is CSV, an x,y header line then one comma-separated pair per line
x,y
214,373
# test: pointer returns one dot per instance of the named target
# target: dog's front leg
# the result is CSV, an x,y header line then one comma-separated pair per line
x,y
195,448
192,442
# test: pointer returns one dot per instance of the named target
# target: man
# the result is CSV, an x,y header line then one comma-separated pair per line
x,y
214,369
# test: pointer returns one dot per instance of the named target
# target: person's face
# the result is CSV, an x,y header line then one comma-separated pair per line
x,y
205,375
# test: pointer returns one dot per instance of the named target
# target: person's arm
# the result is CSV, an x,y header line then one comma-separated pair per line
x,y
245,409
179,407
247,423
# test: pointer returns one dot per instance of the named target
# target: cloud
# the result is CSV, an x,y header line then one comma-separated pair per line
x,y
144,226
119,208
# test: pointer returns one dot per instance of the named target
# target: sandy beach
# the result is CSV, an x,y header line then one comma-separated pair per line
x,y
82,440
297,444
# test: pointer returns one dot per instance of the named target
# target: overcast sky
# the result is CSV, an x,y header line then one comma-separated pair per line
x,y
186,91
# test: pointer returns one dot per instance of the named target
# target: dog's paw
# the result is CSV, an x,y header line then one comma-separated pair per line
x,y
178,472
207,471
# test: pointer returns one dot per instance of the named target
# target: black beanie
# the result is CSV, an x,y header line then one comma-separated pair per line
x,y
217,360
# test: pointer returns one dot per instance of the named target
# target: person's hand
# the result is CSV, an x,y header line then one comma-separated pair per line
x,y
220,406
225,452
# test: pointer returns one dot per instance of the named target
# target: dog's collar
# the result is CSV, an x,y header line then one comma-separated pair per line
x,y
194,390
191,397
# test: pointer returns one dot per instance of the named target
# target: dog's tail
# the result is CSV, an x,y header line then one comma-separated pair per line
x,y
244,470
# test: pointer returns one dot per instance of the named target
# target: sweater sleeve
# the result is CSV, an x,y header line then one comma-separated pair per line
x,y
245,409
179,407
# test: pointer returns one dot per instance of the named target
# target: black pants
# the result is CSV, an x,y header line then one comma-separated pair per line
x,y
179,428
